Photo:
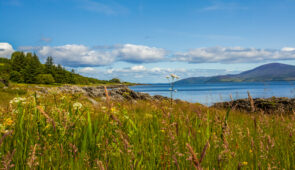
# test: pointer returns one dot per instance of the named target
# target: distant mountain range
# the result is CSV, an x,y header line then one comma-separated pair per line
x,y
267,72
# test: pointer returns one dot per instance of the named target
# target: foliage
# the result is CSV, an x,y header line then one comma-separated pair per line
x,y
15,76
59,131
115,80
44,79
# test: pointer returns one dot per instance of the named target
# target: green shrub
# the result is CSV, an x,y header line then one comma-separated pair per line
x,y
115,80
44,79
15,76
4,79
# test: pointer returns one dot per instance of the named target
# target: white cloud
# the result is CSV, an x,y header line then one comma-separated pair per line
x,y
81,55
86,70
6,50
77,55
138,68
288,49
140,54
234,55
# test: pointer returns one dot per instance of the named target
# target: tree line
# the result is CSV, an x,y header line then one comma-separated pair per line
x,y
27,68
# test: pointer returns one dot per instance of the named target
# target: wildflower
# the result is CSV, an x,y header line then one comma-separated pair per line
x,y
77,105
174,76
8,122
114,110
244,163
17,100
104,108
250,151
163,131
199,131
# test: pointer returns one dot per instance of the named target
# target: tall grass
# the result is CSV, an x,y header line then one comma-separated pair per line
x,y
55,132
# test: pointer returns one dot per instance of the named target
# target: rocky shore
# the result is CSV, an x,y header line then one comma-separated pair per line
x,y
115,92
269,105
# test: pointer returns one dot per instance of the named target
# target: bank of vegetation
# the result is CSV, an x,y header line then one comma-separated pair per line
x,y
27,68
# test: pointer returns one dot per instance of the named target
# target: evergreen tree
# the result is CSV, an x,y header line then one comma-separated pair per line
x,y
18,61
32,69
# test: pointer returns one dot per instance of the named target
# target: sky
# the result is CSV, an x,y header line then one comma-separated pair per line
x,y
144,40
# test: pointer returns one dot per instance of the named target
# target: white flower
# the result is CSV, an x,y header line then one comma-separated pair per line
x,y
77,105
174,76
17,100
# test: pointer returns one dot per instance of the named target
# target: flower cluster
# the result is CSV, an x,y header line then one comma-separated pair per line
x,y
77,105
172,76
17,100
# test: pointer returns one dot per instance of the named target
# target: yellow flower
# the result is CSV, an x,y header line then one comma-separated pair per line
x,y
114,110
199,131
163,131
250,151
244,163
8,122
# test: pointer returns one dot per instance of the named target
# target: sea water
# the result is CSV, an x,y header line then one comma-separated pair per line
x,y
210,93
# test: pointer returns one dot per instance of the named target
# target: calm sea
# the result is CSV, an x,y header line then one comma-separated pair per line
x,y
210,93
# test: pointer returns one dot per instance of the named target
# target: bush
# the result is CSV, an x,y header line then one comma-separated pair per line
x,y
15,76
115,80
44,79
4,79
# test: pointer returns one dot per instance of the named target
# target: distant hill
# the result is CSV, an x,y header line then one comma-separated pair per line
x,y
267,72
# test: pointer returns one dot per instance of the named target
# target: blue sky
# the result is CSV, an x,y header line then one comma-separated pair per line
x,y
143,40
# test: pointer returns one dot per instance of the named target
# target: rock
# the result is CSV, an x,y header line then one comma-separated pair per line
x,y
269,105
118,93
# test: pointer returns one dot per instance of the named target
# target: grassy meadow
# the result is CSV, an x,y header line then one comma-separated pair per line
x,y
62,131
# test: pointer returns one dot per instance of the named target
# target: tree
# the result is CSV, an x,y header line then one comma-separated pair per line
x,y
18,61
44,79
16,77
32,69
115,80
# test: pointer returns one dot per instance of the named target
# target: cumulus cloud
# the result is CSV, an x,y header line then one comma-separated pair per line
x,y
81,55
6,50
234,55
140,54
